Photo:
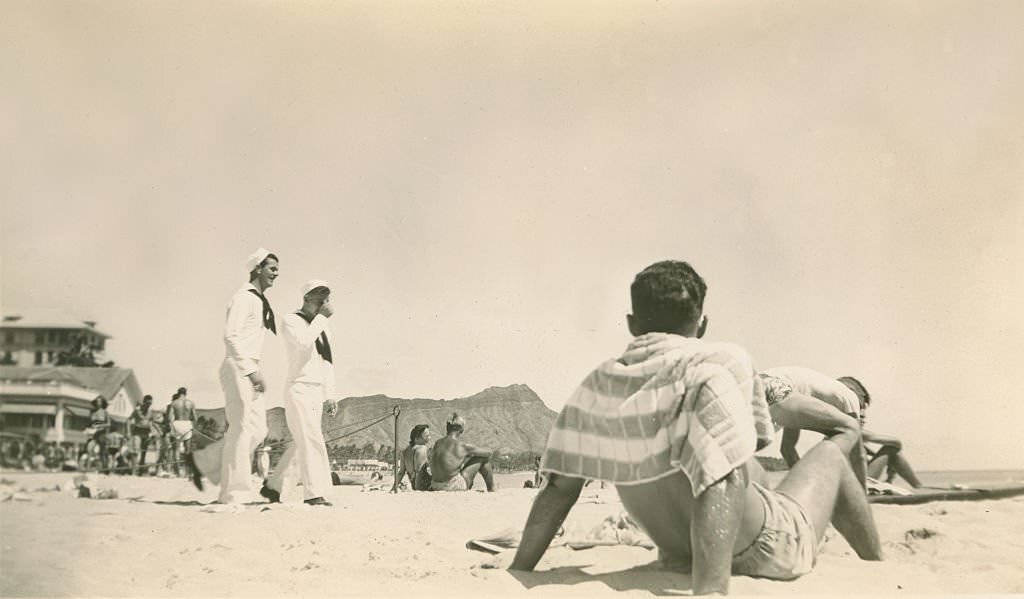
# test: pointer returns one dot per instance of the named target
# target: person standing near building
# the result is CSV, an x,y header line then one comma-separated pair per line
x,y
310,385
140,425
249,317
99,423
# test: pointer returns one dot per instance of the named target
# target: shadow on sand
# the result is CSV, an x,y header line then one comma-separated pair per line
x,y
649,577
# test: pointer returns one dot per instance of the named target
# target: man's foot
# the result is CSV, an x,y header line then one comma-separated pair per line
x,y
271,495
318,501
195,475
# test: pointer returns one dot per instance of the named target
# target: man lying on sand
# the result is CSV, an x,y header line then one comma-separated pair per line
x,y
415,459
889,459
454,464
674,423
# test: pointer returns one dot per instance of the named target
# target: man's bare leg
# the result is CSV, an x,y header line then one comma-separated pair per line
x,y
478,465
891,460
822,482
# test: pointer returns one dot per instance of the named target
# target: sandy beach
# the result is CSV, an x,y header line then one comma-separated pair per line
x,y
160,538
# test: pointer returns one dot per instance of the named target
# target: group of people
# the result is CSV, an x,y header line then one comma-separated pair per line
x,y
111,450
674,423
450,465
309,391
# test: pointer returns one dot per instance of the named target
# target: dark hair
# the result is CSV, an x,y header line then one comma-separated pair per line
x,y
145,397
858,388
252,273
416,432
100,402
667,296
182,391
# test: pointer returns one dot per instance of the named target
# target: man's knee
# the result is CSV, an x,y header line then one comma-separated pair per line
x,y
846,437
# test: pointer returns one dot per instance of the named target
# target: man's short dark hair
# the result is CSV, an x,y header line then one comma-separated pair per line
x,y
668,296
145,397
182,391
857,387
416,432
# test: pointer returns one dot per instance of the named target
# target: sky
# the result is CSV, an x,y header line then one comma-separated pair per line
x,y
480,182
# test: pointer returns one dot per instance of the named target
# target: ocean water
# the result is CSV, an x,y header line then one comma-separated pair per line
x,y
978,478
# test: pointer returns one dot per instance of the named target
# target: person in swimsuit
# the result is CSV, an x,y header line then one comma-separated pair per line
x,y
415,459
454,464
99,422
727,521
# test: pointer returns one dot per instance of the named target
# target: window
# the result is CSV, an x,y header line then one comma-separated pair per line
x,y
49,357
40,337
9,337
39,358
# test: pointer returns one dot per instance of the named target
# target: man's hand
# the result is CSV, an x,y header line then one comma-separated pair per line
x,y
257,381
326,309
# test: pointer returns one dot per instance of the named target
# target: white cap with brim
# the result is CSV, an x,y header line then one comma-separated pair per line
x,y
313,284
255,259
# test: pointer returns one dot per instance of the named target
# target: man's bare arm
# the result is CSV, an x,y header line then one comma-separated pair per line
x,y
549,510
883,439
716,522
790,436
472,451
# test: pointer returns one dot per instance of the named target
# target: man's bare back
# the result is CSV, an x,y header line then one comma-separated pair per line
x,y
452,459
181,408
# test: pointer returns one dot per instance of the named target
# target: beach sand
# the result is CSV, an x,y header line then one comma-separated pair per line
x,y
160,539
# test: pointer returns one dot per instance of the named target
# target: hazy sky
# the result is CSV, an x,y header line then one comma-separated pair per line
x,y
480,182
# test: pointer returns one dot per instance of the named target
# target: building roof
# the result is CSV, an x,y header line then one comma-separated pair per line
x,y
105,381
42,318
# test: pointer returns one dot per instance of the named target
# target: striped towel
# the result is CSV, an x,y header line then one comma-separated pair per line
x,y
668,403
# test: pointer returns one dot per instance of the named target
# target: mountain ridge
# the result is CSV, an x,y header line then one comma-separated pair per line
x,y
508,419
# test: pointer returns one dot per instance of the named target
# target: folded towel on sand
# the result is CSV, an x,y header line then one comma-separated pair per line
x,y
668,403
877,487
618,529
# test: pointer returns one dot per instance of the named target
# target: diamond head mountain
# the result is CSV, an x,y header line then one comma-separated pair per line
x,y
509,419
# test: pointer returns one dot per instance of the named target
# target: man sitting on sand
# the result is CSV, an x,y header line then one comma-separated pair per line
x,y
889,459
674,423
415,459
803,399
454,464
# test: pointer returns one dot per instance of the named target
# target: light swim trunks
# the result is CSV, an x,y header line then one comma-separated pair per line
x,y
182,429
786,546
455,483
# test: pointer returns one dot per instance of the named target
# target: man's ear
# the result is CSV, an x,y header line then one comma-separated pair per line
x,y
702,327
634,330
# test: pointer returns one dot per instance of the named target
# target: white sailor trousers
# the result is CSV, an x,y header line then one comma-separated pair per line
x,y
246,413
303,408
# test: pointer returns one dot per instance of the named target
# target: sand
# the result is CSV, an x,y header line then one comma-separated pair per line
x,y
160,539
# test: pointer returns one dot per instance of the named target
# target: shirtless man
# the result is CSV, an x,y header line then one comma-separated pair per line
x,y
140,425
415,458
454,464
181,414
803,399
674,423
